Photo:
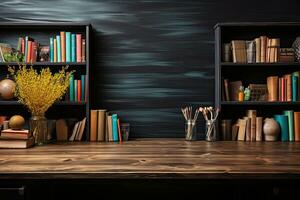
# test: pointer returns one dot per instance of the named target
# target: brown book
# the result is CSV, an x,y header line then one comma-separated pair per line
x,y
226,87
61,130
242,129
259,125
234,132
248,128
83,50
101,125
263,48
277,49
63,46
81,128
226,129
268,50
288,78
297,126
93,129
75,131
15,134
239,51
17,144
251,51
272,84
252,114
234,88
257,46
109,128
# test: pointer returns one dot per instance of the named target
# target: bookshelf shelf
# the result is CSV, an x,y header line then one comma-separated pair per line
x,y
251,73
60,103
43,64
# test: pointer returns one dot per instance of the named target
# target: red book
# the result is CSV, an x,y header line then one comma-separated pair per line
x,y
78,47
34,51
23,46
63,46
79,90
29,50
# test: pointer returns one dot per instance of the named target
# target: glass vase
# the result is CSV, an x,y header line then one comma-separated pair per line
x,y
210,130
190,130
38,128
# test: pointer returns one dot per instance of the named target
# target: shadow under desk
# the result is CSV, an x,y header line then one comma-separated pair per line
x,y
152,168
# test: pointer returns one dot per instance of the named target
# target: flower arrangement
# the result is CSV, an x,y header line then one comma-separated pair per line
x,y
38,91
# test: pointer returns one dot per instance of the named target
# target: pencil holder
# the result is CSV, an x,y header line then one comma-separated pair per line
x,y
210,130
190,130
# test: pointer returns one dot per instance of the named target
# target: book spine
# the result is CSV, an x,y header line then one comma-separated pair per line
x,y
115,127
23,46
295,88
119,131
55,50
26,47
73,47
82,87
282,120
63,46
51,50
297,126
34,51
19,47
71,88
58,43
75,91
79,90
259,125
93,125
83,51
78,47
290,115
68,47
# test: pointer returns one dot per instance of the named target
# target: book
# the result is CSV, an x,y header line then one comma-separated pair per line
x,y
252,114
74,132
71,88
80,130
83,51
101,125
248,128
226,129
257,53
272,84
119,132
29,51
55,50
17,144
234,132
61,130
19,46
226,88
78,47
73,47
259,126
115,134
23,46
282,120
234,88
63,46
51,50
78,90
290,116
93,125
297,126
34,51
58,43
75,91
109,128
239,51
289,93
295,88
82,87
68,47
226,52
251,51
263,48
242,129
15,134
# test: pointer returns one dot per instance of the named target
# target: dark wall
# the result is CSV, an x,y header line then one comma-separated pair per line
x,y
151,57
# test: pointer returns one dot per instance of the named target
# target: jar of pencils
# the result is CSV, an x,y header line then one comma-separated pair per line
x,y
210,130
190,130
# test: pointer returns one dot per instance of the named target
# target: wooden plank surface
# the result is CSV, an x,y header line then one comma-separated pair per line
x,y
154,158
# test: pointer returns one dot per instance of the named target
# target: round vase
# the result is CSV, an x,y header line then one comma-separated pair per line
x,y
271,129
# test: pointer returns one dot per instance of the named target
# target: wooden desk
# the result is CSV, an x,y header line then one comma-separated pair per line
x,y
162,165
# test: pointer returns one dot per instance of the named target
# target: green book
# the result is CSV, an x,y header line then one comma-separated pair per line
x,y
290,115
297,86
282,120
75,90
68,47
71,88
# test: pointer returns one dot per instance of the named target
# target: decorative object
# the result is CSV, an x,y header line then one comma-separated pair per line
x,y
296,47
210,115
16,122
271,129
7,88
125,129
190,122
38,91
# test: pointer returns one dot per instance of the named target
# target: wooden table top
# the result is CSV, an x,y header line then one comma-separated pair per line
x,y
154,158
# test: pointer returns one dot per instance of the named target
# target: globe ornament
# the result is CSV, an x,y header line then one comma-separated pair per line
x,y
16,122
7,88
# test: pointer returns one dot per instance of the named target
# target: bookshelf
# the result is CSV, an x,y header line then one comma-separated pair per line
x,y
41,32
255,73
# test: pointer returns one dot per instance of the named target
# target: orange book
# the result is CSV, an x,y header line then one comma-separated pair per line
x,y
93,126
79,90
29,49
297,126
55,50
119,131
63,46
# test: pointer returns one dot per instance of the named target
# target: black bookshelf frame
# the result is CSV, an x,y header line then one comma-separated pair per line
x,y
49,28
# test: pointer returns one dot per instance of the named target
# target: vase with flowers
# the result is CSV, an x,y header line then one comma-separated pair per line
x,y
38,91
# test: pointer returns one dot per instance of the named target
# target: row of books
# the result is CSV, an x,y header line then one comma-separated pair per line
x,y
250,127
259,50
67,47
77,89
10,138
105,127
285,88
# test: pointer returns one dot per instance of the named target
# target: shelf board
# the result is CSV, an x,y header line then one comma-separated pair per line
x,y
43,64
60,103
231,64
259,103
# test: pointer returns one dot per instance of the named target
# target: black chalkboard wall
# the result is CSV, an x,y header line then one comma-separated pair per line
x,y
151,57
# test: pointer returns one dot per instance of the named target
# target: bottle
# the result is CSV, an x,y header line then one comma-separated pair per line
x,y
241,94
247,93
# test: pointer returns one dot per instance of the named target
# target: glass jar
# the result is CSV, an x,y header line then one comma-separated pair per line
x,y
210,130
38,128
190,130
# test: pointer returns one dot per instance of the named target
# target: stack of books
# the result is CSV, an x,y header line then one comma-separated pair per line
x,y
18,139
77,89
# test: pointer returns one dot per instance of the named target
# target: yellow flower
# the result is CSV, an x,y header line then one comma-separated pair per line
x,y
38,91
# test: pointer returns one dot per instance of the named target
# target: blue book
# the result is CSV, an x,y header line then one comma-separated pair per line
x,y
294,88
114,120
73,47
71,88
82,87
51,50
282,120
75,91
58,48
68,47
290,115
